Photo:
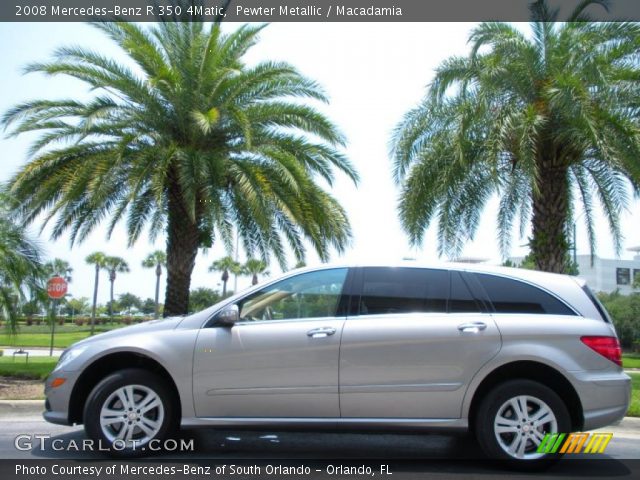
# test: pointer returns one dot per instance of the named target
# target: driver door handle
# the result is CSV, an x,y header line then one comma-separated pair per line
x,y
321,332
472,327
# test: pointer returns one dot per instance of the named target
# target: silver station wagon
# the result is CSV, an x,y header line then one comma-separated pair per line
x,y
508,354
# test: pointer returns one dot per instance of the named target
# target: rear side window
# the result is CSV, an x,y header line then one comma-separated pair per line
x,y
596,303
403,290
512,296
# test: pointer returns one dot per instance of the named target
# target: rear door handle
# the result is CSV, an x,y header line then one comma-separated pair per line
x,y
472,327
321,332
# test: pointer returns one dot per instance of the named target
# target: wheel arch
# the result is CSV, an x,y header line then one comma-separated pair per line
x,y
106,365
536,371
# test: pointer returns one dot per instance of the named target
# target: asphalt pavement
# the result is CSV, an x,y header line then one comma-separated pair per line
x,y
410,456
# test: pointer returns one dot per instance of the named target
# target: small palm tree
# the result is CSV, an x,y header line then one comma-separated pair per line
x,y
98,260
77,306
544,121
157,260
114,265
59,267
56,267
254,267
21,266
225,265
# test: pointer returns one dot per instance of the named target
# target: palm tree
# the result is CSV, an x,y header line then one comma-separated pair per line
x,y
545,121
78,306
191,142
56,267
59,267
225,265
114,265
157,260
254,267
21,266
98,260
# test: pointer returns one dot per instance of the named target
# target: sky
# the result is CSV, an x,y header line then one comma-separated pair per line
x,y
373,73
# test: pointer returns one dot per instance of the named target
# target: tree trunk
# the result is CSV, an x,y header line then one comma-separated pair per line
x,y
549,244
182,248
225,279
112,281
95,299
156,312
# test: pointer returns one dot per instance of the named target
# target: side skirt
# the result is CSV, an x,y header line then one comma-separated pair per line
x,y
332,424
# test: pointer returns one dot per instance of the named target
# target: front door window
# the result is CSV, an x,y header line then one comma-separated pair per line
x,y
308,295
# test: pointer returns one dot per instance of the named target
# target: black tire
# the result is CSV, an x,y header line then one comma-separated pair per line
x,y
495,444
142,382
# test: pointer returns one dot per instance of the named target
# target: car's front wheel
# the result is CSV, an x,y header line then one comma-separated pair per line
x,y
129,409
514,418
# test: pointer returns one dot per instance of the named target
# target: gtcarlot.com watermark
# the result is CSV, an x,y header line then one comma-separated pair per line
x,y
26,442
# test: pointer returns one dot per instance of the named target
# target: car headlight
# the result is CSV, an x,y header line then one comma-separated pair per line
x,y
69,355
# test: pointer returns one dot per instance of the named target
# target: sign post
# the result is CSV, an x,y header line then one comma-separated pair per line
x,y
56,289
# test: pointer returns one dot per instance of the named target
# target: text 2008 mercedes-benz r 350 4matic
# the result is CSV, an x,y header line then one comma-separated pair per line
x,y
509,354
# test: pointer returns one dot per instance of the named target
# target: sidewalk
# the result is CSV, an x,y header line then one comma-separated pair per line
x,y
10,408
33,351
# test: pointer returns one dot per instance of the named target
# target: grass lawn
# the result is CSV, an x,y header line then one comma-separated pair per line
x,y
631,360
40,336
38,367
61,340
634,409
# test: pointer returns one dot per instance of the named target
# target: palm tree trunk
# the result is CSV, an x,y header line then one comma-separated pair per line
x,y
549,244
182,248
95,299
156,312
111,300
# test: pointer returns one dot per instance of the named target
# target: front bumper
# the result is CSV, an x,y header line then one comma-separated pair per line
x,y
58,399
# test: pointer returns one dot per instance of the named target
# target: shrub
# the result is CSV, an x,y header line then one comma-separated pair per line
x,y
79,321
625,312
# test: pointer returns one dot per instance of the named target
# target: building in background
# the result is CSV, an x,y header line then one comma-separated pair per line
x,y
607,274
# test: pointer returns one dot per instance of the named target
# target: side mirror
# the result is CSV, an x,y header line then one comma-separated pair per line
x,y
228,316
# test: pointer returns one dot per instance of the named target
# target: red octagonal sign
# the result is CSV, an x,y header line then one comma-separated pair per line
x,y
56,287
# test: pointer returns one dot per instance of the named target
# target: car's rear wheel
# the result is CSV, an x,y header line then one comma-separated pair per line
x,y
514,418
129,409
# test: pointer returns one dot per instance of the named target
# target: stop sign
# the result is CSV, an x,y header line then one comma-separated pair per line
x,y
56,287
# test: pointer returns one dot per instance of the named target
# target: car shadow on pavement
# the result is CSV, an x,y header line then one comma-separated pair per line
x,y
408,456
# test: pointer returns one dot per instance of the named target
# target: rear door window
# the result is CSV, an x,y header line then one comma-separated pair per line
x,y
403,290
461,299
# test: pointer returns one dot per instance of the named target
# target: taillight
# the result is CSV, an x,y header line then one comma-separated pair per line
x,y
608,347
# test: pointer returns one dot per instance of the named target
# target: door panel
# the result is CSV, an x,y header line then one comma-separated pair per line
x,y
402,354
411,365
281,359
268,369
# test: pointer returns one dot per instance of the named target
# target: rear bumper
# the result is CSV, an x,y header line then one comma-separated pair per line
x,y
605,397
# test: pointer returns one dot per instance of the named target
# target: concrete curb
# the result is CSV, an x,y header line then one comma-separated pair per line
x,y
9,408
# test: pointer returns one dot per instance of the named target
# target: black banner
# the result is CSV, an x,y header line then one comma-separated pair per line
x,y
258,469
296,10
